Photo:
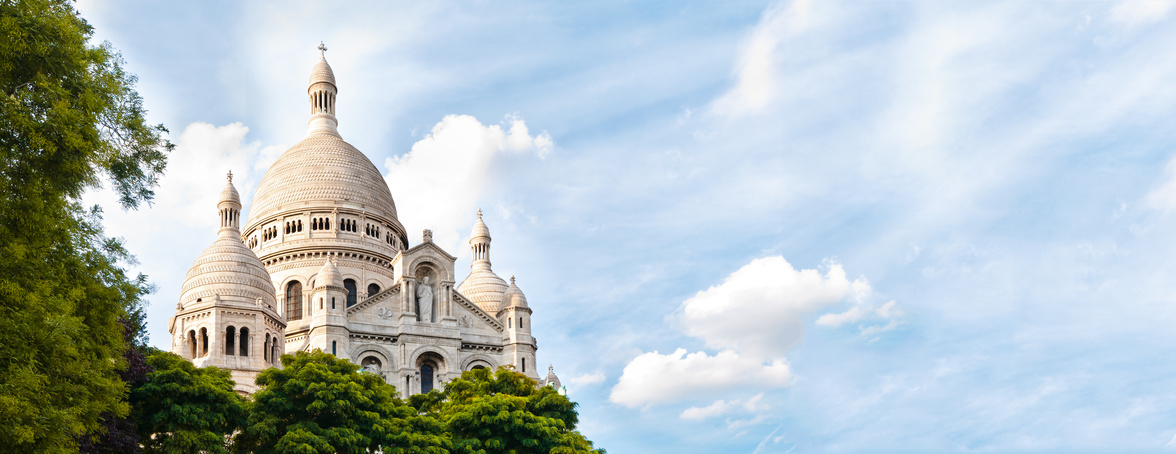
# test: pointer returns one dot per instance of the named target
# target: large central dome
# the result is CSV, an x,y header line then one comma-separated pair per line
x,y
322,170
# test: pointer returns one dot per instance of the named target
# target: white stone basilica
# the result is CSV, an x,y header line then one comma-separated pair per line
x,y
323,263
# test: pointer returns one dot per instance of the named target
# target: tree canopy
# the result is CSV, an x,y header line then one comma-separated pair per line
x,y
70,119
183,408
505,412
317,403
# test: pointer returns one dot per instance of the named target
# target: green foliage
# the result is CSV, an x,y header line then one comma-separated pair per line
x,y
182,408
506,412
318,403
69,116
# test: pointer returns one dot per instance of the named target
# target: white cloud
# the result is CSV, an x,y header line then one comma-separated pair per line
x,y
655,378
438,183
757,71
1141,11
203,155
188,192
753,317
723,407
880,318
760,310
587,379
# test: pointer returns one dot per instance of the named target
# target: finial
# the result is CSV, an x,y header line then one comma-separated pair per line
x,y
479,213
230,177
512,279
322,50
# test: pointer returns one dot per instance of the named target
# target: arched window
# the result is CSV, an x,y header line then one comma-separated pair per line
x,y
230,336
192,342
349,284
294,301
373,289
334,350
426,378
265,348
203,341
244,342
479,367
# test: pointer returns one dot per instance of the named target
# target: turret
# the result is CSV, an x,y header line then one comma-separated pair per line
x,y
515,315
328,307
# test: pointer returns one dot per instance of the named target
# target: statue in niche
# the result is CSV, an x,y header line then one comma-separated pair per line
x,y
372,368
424,295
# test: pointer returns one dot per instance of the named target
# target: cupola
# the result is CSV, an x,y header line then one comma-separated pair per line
x,y
322,91
482,286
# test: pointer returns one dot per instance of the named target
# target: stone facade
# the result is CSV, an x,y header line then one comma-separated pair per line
x,y
324,263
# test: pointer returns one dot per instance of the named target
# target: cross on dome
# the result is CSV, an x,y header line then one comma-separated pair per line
x,y
322,49
230,176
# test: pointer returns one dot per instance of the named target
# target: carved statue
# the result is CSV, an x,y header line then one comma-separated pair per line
x,y
424,295
372,368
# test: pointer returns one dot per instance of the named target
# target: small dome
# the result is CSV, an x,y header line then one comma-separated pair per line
x,y
480,229
329,275
483,288
551,379
230,272
229,193
322,73
513,297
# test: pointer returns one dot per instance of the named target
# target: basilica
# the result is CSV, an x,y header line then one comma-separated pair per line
x,y
322,262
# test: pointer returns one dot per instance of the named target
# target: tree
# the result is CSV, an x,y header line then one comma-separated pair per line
x,y
317,403
505,412
69,117
117,434
183,408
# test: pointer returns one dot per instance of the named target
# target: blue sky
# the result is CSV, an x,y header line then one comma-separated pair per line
x,y
757,227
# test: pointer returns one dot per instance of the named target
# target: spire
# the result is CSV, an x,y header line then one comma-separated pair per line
x,y
322,91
